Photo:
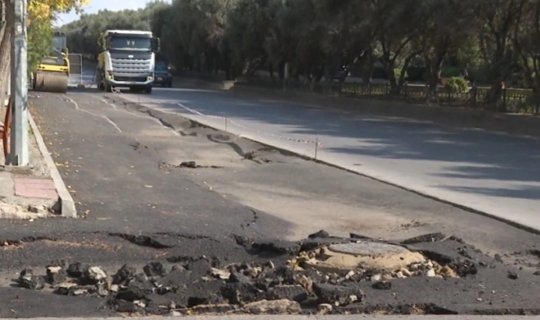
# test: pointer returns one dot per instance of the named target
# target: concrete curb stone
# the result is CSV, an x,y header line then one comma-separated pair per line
x,y
67,205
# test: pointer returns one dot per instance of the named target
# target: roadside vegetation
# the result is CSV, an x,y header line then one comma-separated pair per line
x,y
41,13
491,43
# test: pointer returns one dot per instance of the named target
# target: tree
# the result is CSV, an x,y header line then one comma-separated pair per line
x,y
499,19
527,45
446,26
40,15
394,39
83,34
248,25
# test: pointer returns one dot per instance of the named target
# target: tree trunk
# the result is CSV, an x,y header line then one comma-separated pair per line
x,y
369,66
494,96
271,71
434,74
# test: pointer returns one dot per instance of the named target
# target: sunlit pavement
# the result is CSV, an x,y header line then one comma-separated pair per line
x,y
487,172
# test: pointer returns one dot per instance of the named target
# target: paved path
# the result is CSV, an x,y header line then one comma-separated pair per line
x,y
488,172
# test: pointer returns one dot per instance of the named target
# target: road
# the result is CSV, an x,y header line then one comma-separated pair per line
x,y
241,203
488,172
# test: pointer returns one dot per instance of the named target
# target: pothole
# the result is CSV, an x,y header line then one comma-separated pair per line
x,y
187,165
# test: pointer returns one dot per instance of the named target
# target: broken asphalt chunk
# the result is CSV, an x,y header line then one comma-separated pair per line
x,y
131,293
277,246
220,308
93,275
342,295
154,269
355,236
238,293
28,280
221,274
430,237
188,164
319,234
512,275
76,269
289,292
124,275
55,275
200,267
125,306
464,267
282,306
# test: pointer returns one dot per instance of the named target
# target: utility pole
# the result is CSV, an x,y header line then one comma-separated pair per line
x,y
19,90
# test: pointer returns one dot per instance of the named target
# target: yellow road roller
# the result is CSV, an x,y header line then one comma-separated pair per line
x,y
52,74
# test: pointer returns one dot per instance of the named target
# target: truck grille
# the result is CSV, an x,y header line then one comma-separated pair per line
x,y
131,67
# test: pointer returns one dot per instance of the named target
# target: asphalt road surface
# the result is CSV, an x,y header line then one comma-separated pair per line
x,y
491,173
138,203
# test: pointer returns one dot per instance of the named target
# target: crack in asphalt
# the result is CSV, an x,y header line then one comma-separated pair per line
x,y
9,242
141,240
187,236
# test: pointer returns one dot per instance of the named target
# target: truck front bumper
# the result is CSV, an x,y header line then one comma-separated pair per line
x,y
126,82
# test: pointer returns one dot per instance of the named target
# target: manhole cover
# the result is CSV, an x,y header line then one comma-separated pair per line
x,y
341,258
367,248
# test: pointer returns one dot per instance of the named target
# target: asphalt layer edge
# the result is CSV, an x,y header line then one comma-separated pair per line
x,y
67,205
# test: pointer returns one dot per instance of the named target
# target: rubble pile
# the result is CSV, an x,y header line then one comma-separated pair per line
x,y
320,274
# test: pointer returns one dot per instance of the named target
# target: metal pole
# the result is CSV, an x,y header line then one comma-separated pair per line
x,y
19,91
316,148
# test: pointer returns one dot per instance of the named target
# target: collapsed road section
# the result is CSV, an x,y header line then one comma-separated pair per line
x,y
431,274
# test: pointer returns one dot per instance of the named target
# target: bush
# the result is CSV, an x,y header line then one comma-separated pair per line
x,y
457,85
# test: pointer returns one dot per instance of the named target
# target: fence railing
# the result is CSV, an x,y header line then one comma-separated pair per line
x,y
512,100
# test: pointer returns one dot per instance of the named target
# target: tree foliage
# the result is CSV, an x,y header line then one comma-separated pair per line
x,y
319,40
83,34
41,13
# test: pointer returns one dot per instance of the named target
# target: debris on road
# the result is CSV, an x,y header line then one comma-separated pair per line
x,y
321,274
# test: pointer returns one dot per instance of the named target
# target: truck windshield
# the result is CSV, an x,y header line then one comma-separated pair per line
x,y
131,43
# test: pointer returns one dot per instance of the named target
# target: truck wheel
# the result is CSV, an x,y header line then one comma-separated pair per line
x,y
108,88
148,90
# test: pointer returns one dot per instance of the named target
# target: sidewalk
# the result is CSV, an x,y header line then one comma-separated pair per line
x,y
30,192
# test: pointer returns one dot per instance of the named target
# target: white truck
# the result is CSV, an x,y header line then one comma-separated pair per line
x,y
127,60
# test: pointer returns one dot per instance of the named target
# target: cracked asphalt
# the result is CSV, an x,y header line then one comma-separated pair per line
x,y
139,203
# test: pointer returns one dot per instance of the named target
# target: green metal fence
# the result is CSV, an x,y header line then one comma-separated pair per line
x,y
512,100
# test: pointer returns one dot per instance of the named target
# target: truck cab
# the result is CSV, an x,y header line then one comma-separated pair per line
x,y
127,60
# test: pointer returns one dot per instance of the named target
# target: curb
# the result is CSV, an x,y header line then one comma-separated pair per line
x,y
67,205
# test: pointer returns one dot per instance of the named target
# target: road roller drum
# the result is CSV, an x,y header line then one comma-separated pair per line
x,y
51,81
